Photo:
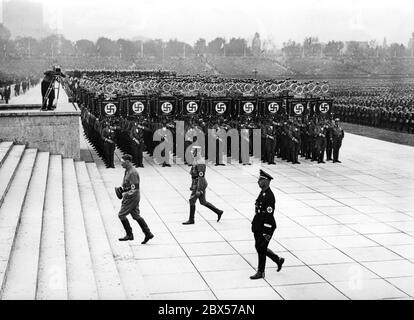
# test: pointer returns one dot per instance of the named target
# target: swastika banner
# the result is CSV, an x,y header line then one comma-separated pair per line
x,y
166,107
323,107
220,107
247,107
109,108
138,106
297,107
191,106
272,107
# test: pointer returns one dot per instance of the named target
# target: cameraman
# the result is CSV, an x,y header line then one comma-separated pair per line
x,y
49,81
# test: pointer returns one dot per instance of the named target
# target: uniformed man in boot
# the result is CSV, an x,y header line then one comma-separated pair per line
x,y
270,144
337,136
108,138
129,193
137,143
320,142
263,226
220,128
329,140
296,143
199,185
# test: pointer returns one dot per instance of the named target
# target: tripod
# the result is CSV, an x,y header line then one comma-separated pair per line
x,y
56,78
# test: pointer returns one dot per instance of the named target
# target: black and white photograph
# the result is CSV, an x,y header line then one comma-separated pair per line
x,y
211,151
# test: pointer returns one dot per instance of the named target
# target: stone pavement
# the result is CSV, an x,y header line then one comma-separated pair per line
x,y
34,96
346,230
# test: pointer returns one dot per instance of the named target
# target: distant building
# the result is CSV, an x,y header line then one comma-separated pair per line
x,y
24,18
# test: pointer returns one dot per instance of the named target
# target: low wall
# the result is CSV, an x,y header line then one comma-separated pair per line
x,y
54,132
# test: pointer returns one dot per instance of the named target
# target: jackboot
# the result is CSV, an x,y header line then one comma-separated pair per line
x,y
145,229
258,275
217,211
192,213
128,229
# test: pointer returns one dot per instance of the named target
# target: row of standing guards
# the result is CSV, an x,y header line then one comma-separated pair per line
x,y
226,107
168,108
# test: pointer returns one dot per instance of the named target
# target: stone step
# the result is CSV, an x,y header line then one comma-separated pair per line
x,y
8,169
21,280
52,282
5,148
11,208
128,267
104,266
80,277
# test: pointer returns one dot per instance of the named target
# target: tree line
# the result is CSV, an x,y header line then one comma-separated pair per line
x,y
57,45
357,50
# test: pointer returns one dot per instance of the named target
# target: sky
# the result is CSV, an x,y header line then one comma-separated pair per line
x,y
189,20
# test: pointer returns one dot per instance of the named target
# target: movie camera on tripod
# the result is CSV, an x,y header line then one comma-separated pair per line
x,y
52,77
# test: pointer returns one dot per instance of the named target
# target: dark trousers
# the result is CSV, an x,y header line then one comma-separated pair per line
x,y
328,149
109,149
261,245
269,151
218,154
137,153
295,152
203,201
137,217
49,101
320,149
336,147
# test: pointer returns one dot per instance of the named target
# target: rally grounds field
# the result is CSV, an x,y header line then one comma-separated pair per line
x,y
346,230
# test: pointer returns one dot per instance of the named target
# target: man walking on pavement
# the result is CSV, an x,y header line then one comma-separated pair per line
x,y
263,226
129,193
198,186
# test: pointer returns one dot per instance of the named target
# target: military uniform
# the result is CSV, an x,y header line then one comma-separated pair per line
x,y
337,136
295,142
270,144
7,91
220,128
198,189
108,137
283,142
411,125
263,227
130,203
188,130
137,143
307,142
320,136
244,157
329,141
